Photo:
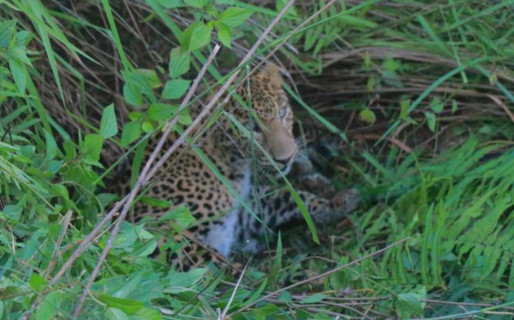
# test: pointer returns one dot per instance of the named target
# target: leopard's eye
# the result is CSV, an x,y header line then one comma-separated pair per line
x,y
282,112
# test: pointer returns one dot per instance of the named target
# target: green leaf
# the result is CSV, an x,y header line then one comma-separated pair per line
x,y
131,132
126,305
152,80
285,297
49,306
410,304
436,105
195,36
161,111
455,106
37,282
116,314
184,281
175,89
224,34
185,118
132,94
404,108
179,63
282,3
108,125
367,115
92,147
195,3
170,4
146,314
317,297
51,146
19,73
7,29
233,16
134,115
147,126
181,215
431,120
155,202
69,149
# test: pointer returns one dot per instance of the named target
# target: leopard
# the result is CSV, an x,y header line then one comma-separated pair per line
x,y
220,178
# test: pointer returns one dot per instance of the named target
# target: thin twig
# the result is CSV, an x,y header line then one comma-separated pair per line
x,y
225,310
502,105
65,224
143,178
322,275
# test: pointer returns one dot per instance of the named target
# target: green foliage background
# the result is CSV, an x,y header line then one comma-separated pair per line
x,y
417,96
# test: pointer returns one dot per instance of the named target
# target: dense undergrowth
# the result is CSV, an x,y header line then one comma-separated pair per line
x,y
410,102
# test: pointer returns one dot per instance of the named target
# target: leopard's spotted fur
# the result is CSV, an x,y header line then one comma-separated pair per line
x,y
225,225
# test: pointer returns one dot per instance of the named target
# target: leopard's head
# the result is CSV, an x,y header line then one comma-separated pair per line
x,y
272,120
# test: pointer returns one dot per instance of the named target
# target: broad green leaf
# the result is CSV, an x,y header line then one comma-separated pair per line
x,y
147,126
49,306
171,4
285,297
92,147
23,38
132,94
184,281
69,149
146,314
195,3
455,106
436,105
144,79
181,215
224,34
404,108
116,314
155,202
37,282
126,305
195,36
19,73
134,115
179,63
185,118
151,77
410,304
367,115
161,111
131,132
51,146
108,124
7,29
431,120
175,89
317,297
233,16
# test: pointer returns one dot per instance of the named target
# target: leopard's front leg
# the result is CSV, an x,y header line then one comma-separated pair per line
x,y
278,209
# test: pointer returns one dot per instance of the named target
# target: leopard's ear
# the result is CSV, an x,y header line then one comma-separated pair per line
x,y
272,72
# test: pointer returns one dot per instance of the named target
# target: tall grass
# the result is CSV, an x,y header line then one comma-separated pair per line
x,y
412,100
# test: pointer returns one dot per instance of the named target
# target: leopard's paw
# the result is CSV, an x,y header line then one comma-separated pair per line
x,y
318,184
346,201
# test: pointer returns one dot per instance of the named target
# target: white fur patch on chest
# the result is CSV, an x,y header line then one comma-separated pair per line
x,y
223,236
